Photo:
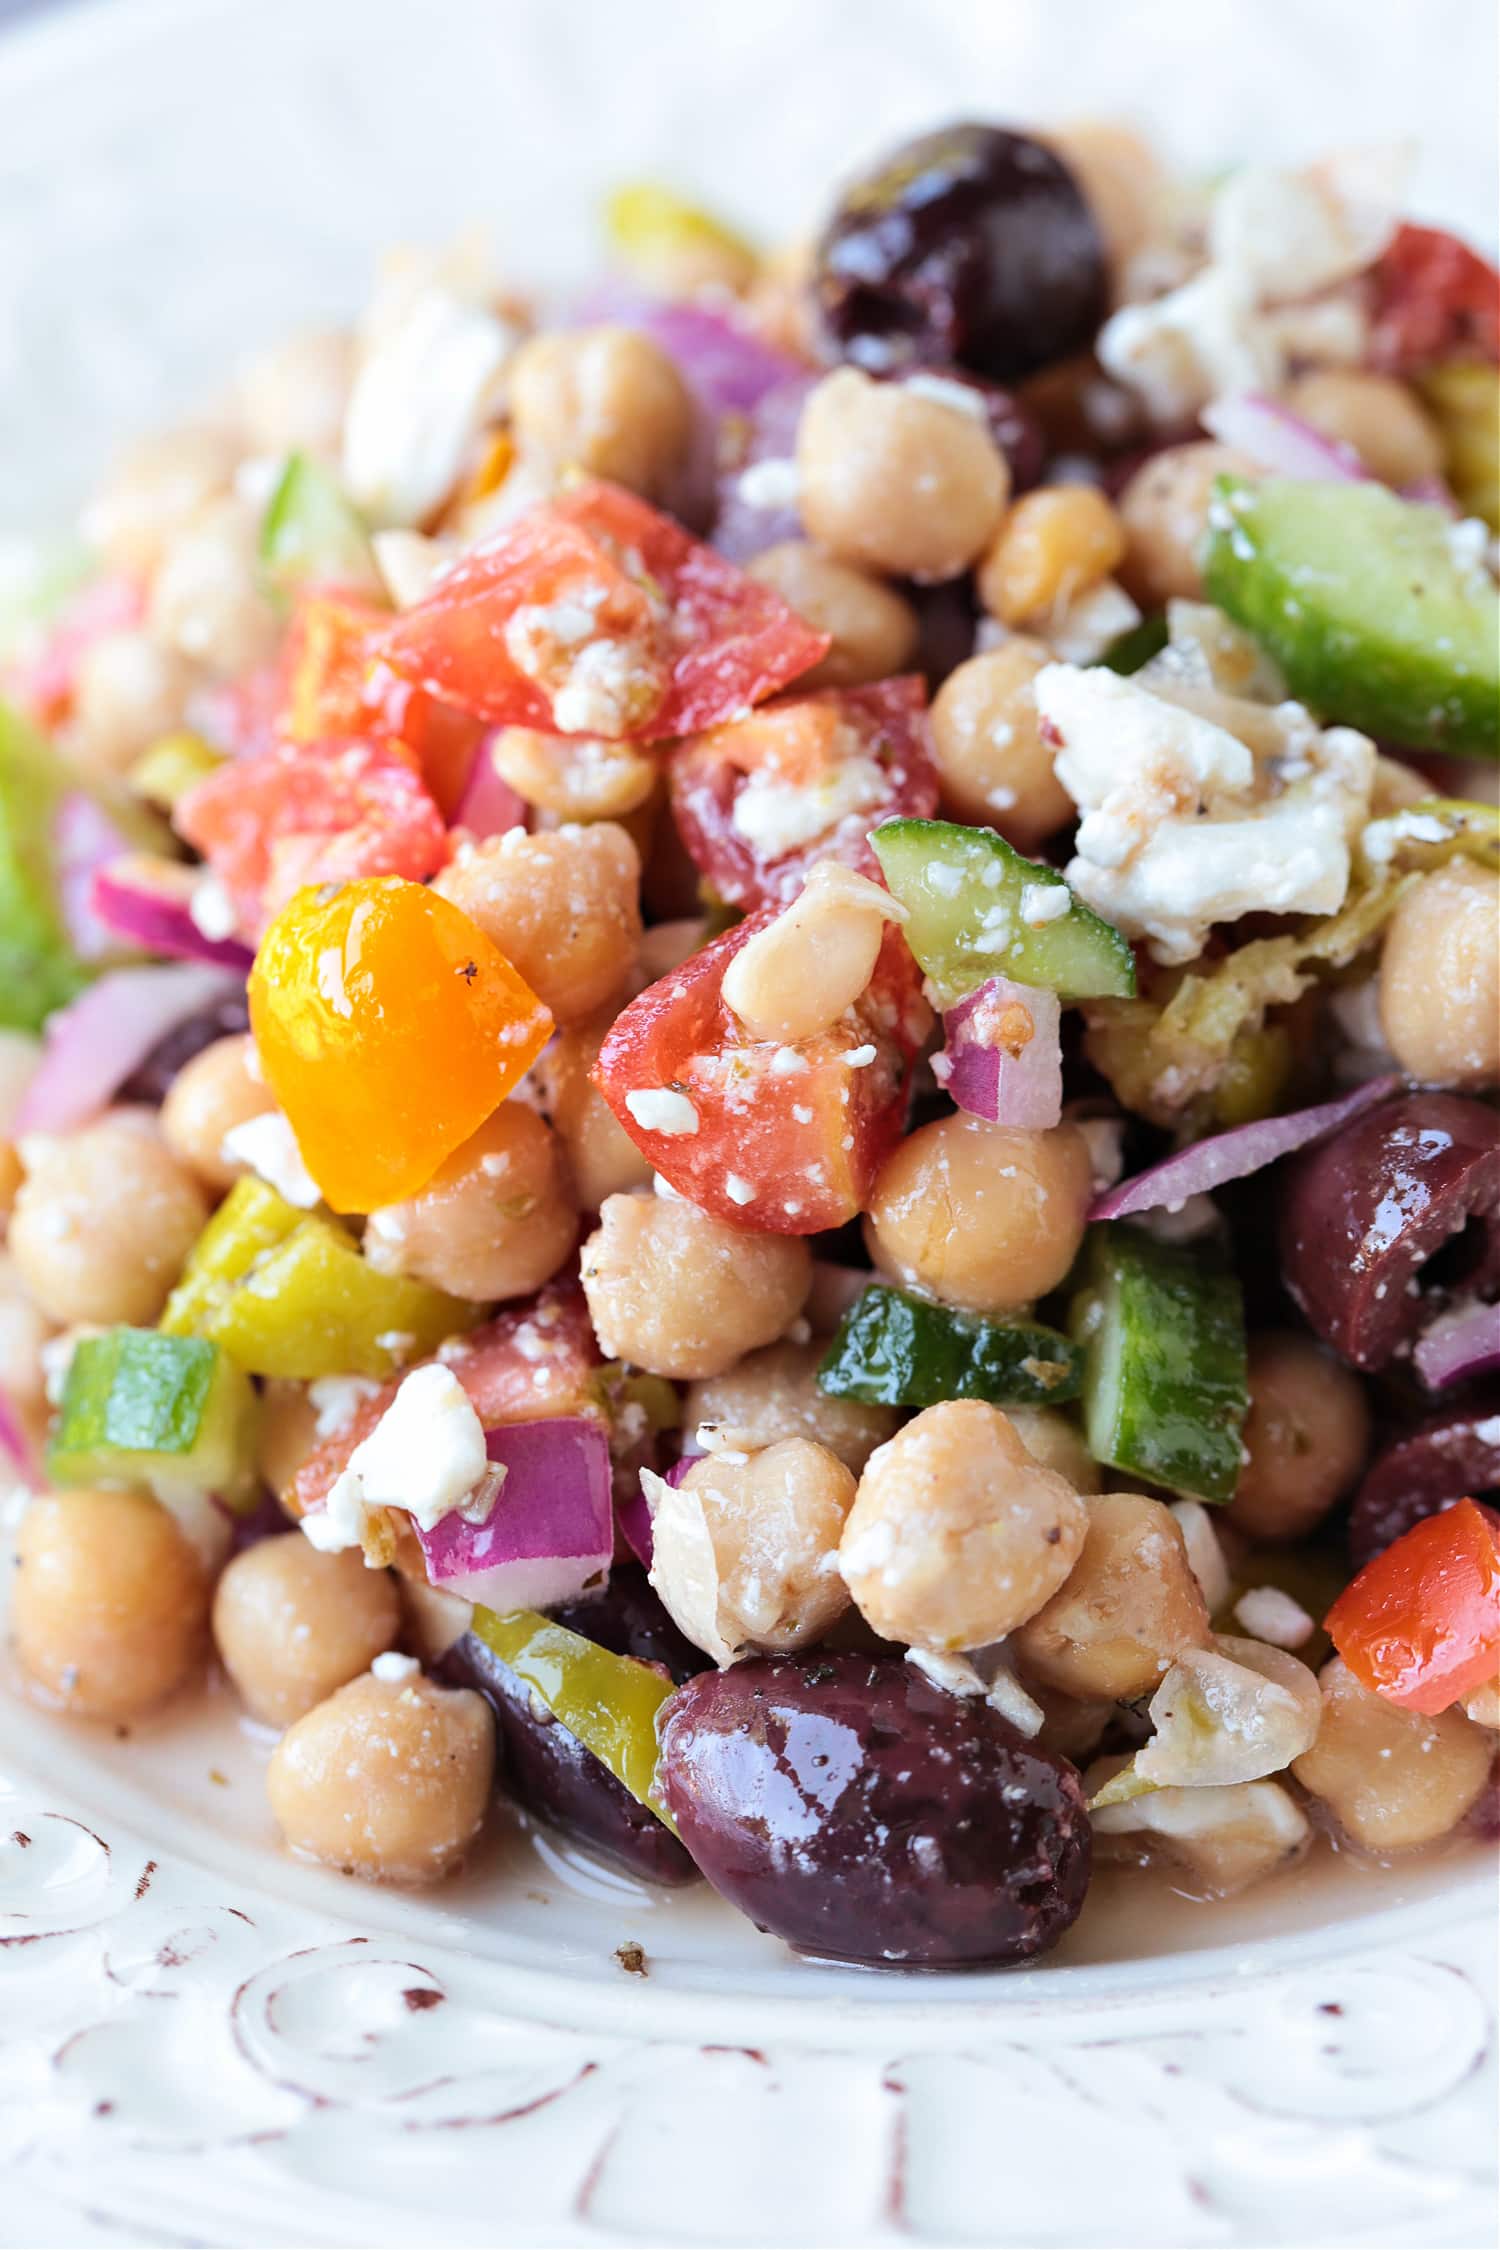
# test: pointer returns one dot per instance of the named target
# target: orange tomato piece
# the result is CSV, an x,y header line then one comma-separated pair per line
x,y
1421,1623
338,687
388,1027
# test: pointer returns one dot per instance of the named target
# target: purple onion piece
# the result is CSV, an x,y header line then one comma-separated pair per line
x,y
750,513
1209,1164
148,902
550,1532
1462,1342
1282,441
85,840
16,1445
1004,1055
98,1040
489,806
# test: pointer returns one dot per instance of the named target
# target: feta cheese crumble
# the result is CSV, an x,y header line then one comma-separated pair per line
x,y
396,1669
269,1147
426,1456
424,390
776,816
657,1109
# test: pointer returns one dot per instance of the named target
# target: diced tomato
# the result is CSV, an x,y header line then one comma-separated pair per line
x,y
270,824
1435,299
595,614
338,688
807,778
45,684
1421,1623
788,1139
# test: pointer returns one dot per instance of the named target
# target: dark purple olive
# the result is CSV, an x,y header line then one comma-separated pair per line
x,y
1452,1455
970,247
852,1808
547,1769
1362,1213
149,1081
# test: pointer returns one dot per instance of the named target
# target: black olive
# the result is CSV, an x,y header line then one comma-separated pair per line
x,y
222,1019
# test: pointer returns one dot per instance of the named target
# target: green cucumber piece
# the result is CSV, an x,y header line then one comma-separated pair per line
x,y
1129,651
313,535
897,1350
157,1413
39,970
1162,1331
964,890
1360,599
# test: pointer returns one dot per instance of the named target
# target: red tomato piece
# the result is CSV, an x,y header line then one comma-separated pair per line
x,y
759,800
269,824
44,685
338,688
1435,299
595,614
788,1139
1421,1623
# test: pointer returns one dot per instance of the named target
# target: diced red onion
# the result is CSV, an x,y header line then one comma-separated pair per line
x,y
717,354
551,1531
489,806
746,522
1234,1155
149,902
16,1445
1004,1055
1281,441
84,839
1461,1342
95,1043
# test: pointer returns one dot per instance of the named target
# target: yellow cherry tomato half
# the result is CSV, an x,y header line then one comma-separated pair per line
x,y
388,1027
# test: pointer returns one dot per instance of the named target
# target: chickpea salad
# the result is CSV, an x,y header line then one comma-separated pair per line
x,y
748,1090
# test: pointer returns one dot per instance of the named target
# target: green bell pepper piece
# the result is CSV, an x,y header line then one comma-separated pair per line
x,y
1162,1330
158,1413
313,535
895,1350
251,1220
652,229
174,764
609,1702
39,970
1129,651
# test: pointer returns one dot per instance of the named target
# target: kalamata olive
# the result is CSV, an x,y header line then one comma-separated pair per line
x,y
852,1808
970,247
149,1081
548,1770
1451,1455
1362,1213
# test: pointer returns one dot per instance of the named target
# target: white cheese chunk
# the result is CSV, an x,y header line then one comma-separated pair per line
x,y
426,1455
658,1109
396,1669
269,1146
775,815
421,396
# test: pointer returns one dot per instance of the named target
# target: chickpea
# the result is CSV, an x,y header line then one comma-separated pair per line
x,y
605,400
604,1160
1053,545
874,629
1440,978
666,945
128,692
773,1394
563,908
495,1221
109,1602
986,1217
388,1779
291,1624
1306,1436
958,1535
1049,1437
292,398
802,972
681,1294
1382,419
220,1088
1393,1779
206,597
993,766
154,491
1131,1605
1395,787
742,1548
104,1220
577,776
896,481
1165,512
1122,181
286,1433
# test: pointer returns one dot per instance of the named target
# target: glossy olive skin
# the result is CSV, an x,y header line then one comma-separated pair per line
x,y
852,1808
149,1081
1363,1212
1449,1456
547,1769
970,247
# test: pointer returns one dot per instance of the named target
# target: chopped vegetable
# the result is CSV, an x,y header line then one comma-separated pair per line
x,y
1430,833
158,1413
165,773
95,1044
1206,1165
549,1534
1133,649
389,1028
977,909
897,1350
1002,1058
1435,300
609,1702
1280,441
1164,1383
1464,400
149,902
1421,1623
659,233
39,967
1462,1342
313,535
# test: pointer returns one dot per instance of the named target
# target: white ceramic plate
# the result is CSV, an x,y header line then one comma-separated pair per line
x,y
201,2041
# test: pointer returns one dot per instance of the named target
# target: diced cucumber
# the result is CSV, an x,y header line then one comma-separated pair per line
x,y
39,969
1164,1387
977,909
158,1413
896,1350
1136,646
313,535
1363,603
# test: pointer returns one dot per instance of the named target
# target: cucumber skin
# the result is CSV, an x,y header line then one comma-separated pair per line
x,y
897,1350
1360,671
147,1410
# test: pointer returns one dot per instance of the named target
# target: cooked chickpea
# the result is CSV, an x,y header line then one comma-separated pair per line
x,y
874,629
773,1394
982,1216
563,908
798,975
1306,1436
128,692
496,1220
217,1090
1392,1778
681,1294
103,1221
388,1779
292,398
1052,545
602,1157
1164,509
286,1432
1440,978
993,766
291,1624
155,490
1131,1605
576,776
605,400
207,600
1396,786
1122,180
1049,1437
895,481
666,945
742,1548
1382,419
958,1535
109,1602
